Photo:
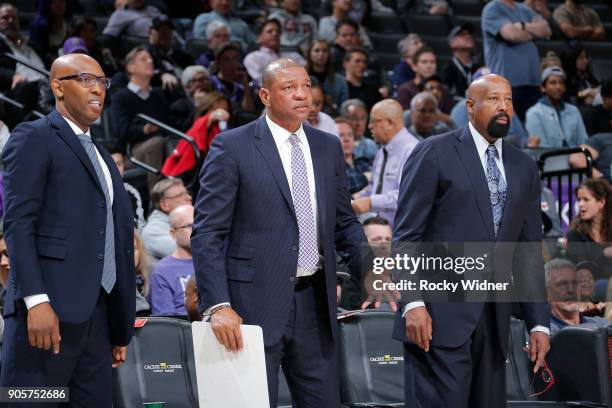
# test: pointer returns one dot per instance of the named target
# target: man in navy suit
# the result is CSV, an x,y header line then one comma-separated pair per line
x,y
468,186
272,207
69,228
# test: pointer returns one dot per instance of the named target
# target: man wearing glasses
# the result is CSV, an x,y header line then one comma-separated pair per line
x,y
69,228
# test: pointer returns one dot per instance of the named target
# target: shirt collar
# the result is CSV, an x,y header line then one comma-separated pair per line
x,y
482,144
144,94
269,51
545,101
77,130
281,135
398,140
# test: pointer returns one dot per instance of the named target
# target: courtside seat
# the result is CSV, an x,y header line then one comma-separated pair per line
x,y
159,367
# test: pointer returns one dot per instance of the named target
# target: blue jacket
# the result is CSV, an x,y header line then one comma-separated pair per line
x,y
562,128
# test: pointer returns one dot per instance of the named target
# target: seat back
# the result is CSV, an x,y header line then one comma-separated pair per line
x,y
518,366
160,366
371,362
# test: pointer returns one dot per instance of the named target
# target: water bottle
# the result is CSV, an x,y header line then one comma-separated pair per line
x,y
222,125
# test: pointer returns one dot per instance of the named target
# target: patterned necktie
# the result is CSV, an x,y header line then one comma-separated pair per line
x,y
497,188
309,255
109,272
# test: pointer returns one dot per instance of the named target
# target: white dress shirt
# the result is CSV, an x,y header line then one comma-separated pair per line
x,y
481,146
34,300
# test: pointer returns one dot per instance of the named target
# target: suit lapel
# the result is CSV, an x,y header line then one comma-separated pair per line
x,y
317,152
266,146
64,131
466,149
511,190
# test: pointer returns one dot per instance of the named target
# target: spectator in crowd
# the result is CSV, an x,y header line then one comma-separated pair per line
x,y
217,33
196,83
377,230
142,264
439,7
166,195
340,11
133,20
298,30
268,38
5,267
387,127
321,67
191,300
119,158
170,274
541,8
434,86
582,86
360,9
356,168
221,11
550,59
423,116
404,72
458,72
509,29
316,118
586,289
600,147
578,21
598,117
552,122
19,81
561,286
140,97
168,59
347,37
212,117
87,29
360,87
231,79
424,65
550,214
355,111
50,27
590,231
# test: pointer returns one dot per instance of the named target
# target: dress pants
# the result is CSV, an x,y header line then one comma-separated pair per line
x,y
306,351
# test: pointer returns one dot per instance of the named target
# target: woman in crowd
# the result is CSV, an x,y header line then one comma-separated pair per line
x,y
320,65
142,262
50,27
582,86
590,234
87,29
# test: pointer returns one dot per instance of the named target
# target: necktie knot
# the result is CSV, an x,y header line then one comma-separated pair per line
x,y
491,151
294,139
83,138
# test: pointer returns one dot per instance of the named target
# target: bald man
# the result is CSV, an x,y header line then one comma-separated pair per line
x,y
69,228
387,127
273,205
470,186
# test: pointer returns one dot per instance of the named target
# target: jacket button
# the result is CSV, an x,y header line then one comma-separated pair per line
x,y
101,231
101,204
294,247
291,278
100,257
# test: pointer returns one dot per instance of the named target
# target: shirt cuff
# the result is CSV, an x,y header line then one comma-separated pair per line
x,y
34,300
412,305
207,311
376,202
542,329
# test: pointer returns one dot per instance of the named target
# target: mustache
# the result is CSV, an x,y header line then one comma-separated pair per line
x,y
500,115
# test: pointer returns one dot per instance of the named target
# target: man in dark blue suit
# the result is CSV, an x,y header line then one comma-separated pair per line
x,y
69,228
469,186
272,208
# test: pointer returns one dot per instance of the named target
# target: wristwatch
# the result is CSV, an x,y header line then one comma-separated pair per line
x,y
217,308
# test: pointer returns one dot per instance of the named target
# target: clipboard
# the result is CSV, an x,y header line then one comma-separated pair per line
x,y
230,380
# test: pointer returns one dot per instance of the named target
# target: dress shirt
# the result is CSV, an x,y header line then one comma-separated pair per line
x,y
33,300
26,53
256,61
398,150
325,123
481,146
142,93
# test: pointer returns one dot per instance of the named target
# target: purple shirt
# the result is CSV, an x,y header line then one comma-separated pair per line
x,y
168,282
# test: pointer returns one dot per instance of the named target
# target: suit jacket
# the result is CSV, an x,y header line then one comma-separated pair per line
x,y
54,226
444,197
245,238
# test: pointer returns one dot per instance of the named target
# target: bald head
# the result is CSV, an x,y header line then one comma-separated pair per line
x,y
390,109
489,105
180,215
386,120
70,64
271,70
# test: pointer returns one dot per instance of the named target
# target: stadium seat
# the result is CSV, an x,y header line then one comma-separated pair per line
x,y
473,20
386,43
197,47
598,49
438,44
432,25
160,366
518,365
388,61
602,68
371,362
548,45
385,23
467,8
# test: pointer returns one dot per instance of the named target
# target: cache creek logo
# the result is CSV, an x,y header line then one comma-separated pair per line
x,y
163,367
387,359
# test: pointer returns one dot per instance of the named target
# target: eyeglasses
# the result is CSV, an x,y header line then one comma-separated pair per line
x,y
184,226
547,378
89,80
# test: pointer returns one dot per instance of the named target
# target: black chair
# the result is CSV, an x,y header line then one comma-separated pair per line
x,y
602,68
438,44
473,20
197,47
549,45
371,362
385,23
160,366
598,49
388,61
386,43
432,25
467,8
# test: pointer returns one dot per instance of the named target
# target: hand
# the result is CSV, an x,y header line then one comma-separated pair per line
x,y
43,327
169,82
218,115
539,344
378,296
608,251
362,205
225,324
533,141
597,174
119,355
418,327
149,128
338,292
17,78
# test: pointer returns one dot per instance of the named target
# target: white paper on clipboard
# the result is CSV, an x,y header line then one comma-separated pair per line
x,y
226,379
